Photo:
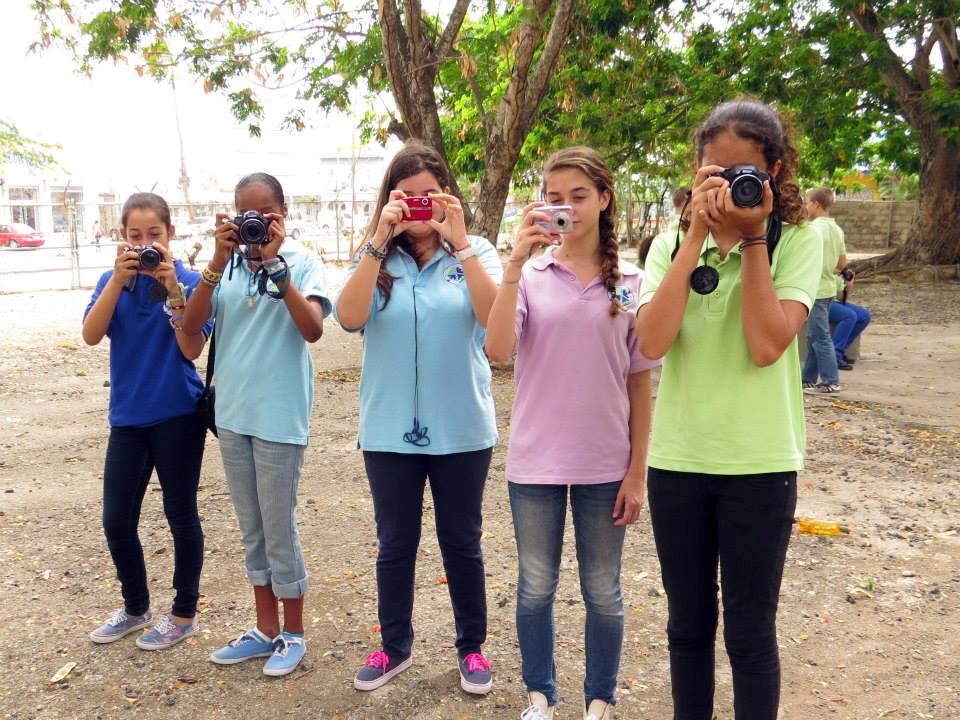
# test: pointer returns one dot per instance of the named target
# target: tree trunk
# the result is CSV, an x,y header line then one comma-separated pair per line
x,y
508,130
934,236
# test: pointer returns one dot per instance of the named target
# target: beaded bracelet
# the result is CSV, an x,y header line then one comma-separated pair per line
x,y
210,277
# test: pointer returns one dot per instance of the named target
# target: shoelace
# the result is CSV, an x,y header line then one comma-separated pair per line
x,y
281,646
242,638
378,659
118,618
476,662
164,626
533,713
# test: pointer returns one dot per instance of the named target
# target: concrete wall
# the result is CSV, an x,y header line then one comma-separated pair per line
x,y
872,225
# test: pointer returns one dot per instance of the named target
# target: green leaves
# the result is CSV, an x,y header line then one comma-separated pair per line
x,y
16,148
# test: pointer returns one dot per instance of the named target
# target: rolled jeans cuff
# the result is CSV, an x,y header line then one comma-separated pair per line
x,y
290,590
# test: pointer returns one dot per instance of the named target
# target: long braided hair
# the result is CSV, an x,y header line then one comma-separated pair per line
x,y
588,161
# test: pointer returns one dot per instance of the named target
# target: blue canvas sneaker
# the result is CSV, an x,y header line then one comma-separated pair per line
x,y
249,645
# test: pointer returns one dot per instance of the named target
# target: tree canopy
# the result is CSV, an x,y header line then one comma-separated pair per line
x,y
495,86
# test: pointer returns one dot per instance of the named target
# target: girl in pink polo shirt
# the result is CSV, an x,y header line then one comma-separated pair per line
x,y
580,421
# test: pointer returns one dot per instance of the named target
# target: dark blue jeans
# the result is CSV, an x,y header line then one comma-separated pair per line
x,y
397,482
850,321
175,448
539,514
821,357
744,523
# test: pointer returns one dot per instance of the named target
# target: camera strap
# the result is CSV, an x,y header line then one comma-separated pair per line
x,y
705,279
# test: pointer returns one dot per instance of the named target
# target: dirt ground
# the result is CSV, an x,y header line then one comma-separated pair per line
x,y
868,623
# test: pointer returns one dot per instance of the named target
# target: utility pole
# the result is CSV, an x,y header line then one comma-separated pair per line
x,y
184,181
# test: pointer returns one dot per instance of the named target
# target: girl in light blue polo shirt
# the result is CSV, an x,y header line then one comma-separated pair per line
x,y
420,291
269,301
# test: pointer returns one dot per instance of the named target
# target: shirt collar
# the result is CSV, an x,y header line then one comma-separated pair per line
x,y
548,259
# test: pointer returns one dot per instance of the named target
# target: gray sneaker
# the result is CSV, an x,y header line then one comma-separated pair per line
x,y
120,625
822,389
166,633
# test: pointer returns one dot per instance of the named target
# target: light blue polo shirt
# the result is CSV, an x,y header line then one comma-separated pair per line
x,y
263,371
427,344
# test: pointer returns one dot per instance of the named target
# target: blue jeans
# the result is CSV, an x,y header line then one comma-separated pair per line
x,y
539,514
263,477
850,321
821,356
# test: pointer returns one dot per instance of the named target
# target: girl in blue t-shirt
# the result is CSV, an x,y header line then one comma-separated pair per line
x,y
154,420
268,299
420,290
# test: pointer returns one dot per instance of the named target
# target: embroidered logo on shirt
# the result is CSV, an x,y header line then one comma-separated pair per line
x,y
623,295
454,275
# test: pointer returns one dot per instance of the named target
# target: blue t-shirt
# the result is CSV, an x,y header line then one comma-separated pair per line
x,y
264,374
427,339
150,379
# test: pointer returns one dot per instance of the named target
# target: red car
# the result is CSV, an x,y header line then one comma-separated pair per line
x,y
19,235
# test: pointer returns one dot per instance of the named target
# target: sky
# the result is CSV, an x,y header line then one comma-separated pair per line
x,y
118,130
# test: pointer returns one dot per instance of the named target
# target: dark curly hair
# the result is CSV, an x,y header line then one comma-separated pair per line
x,y
588,161
773,132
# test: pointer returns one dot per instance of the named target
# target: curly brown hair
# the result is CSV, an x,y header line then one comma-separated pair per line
x,y
413,159
588,161
773,132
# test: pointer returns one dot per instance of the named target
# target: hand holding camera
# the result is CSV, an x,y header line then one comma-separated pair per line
x,y
451,224
535,231
739,196
394,219
127,264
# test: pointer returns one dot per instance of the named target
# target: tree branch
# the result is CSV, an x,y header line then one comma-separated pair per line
x,y
556,39
945,30
907,91
445,44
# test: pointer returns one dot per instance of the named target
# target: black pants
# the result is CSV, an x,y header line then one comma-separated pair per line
x,y
175,448
397,482
744,522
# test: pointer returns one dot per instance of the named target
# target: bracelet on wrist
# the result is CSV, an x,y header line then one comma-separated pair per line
x,y
210,277
371,250
748,238
750,243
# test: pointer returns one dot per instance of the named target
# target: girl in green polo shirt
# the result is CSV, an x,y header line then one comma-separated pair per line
x,y
722,302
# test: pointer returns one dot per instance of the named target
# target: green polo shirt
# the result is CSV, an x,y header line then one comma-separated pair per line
x,y
833,248
716,411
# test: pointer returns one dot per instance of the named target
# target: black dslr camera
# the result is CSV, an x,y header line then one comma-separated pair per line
x,y
149,256
847,274
253,228
746,184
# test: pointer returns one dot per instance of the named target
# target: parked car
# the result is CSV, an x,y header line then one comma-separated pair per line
x,y
19,235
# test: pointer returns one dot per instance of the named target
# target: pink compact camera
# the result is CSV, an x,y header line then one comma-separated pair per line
x,y
421,207
561,218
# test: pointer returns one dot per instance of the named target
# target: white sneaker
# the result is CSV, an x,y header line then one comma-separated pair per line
x,y
599,710
539,708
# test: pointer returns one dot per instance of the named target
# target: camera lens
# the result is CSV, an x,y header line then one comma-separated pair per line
x,y
561,221
149,258
253,231
747,191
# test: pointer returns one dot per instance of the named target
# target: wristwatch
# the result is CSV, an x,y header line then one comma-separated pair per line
x,y
467,252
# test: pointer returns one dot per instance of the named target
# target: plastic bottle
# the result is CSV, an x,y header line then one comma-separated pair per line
x,y
809,526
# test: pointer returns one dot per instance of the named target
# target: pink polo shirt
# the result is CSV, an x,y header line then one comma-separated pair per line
x,y
571,413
